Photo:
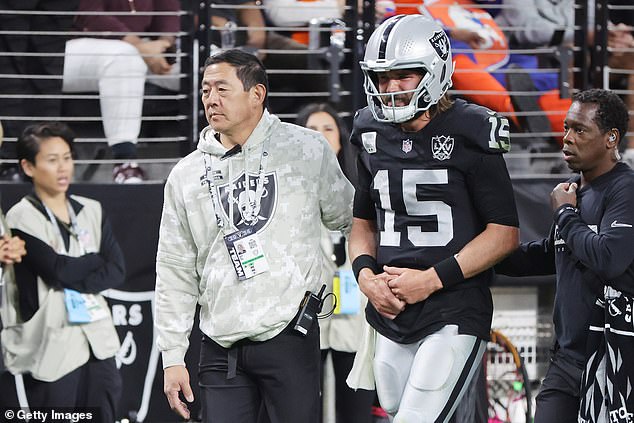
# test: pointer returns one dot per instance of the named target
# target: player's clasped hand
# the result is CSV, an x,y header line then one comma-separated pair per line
x,y
412,285
376,288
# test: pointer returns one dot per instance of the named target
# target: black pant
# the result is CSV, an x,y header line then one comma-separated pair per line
x,y
275,381
350,406
558,400
95,385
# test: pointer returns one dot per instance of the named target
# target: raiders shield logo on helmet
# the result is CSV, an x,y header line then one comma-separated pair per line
x,y
441,147
248,212
441,44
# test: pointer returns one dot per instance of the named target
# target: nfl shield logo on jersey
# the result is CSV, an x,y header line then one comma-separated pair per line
x,y
407,146
441,147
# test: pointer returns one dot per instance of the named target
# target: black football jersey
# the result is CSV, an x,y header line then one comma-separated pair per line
x,y
431,192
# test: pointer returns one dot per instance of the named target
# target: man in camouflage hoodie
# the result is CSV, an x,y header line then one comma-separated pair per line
x,y
240,235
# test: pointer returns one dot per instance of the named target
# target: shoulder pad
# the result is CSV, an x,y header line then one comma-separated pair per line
x,y
363,122
485,128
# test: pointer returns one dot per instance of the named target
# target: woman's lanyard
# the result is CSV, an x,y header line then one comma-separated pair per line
x,y
74,230
250,204
80,307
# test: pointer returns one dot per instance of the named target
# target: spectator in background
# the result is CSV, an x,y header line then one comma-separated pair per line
x,y
621,45
298,13
118,65
590,250
340,334
323,117
61,338
538,22
226,17
482,72
45,58
621,38
470,28
522,89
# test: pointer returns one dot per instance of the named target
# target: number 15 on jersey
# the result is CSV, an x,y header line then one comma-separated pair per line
x,y
411,178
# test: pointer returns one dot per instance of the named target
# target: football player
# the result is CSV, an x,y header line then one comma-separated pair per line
x,y
433,211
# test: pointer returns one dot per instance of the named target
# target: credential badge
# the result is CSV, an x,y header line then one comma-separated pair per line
x,y
441,147
369,141
407,146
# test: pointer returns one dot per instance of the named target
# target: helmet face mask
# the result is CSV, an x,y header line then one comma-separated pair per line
x,y
412,42
384,105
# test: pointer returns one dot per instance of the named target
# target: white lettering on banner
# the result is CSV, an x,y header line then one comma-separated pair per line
x,y
136,315
127,353
127,317
118,315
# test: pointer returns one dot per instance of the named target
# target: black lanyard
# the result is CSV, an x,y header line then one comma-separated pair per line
x,y
215,195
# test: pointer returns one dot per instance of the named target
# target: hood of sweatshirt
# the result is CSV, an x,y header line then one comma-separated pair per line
x,y
208,143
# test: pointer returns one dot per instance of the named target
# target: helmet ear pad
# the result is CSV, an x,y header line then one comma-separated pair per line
x,y
372,83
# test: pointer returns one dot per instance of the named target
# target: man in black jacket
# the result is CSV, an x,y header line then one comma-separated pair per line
x,y
590,250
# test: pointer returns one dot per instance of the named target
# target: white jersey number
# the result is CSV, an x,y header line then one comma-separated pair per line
x,y
499,137
389,237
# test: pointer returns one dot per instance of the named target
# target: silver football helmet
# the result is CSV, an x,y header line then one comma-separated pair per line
x,y
407,42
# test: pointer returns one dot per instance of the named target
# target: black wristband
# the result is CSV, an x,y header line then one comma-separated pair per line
x,y
363,261
449,272
563,209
